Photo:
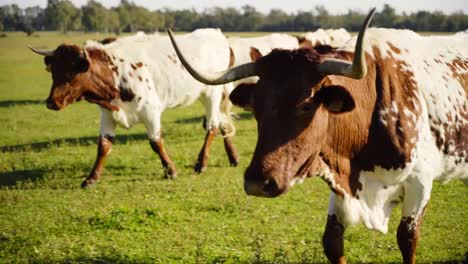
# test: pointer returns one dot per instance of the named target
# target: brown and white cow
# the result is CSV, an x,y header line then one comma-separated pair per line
x,y
134,79
378,130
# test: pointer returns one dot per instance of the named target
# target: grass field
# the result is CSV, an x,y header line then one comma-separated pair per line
x,y
133,215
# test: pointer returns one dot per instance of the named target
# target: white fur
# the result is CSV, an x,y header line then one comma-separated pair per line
x,y
332,37
382,188
265,44
164,82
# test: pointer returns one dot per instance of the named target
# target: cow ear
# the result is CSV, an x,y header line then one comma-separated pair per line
x,y
336,99
255,54
242,96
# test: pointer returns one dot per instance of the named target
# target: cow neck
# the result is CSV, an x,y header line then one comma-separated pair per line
x,y
100,82
378,132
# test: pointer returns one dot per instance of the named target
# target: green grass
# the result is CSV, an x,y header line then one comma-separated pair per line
x,y
134,216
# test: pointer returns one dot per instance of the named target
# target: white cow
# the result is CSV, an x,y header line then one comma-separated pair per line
x,y
246,50
333,37
134,79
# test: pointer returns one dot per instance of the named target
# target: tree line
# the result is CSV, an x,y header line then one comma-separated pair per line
x,y
62,15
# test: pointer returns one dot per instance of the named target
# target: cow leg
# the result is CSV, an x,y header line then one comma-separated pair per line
x,y
211,100
229,147
414,205
333,241
170,171
104,148
153,126
202,161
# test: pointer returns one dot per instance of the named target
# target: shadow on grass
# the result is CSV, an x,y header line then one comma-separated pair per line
x,y
13,177
9,103
82,141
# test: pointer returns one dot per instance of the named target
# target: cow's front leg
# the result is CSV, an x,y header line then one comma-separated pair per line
x,y
333,241
170,171
414,206
229,147
202,161
104,148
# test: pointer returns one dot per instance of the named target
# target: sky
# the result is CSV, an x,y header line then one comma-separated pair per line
x,y
264,6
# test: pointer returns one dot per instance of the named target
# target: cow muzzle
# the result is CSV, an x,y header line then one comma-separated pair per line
x,y
52,105
268,186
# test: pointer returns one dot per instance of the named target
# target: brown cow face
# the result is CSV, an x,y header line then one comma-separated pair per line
x,y
291,103
68,66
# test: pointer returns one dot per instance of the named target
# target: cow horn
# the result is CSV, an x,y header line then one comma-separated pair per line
x,y
230,75
42,52
356,70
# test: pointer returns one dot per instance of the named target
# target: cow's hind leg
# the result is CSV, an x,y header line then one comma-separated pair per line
x,y
227,128
170,171
104,148
211,100
414,205
202,161
153,127
229,147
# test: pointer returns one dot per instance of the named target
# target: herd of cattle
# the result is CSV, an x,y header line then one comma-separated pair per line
x,y
378,116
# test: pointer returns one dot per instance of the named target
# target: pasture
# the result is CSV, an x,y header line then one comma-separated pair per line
x,y
133,215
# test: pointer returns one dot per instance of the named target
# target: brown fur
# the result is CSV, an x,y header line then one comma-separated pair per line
x,y
104,149
255,54
232,58
202,161
346,145
167,163
108,40
72,80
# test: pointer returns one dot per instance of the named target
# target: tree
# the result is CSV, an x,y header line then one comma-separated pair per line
x,y
94,17
277,20
62,15
386,18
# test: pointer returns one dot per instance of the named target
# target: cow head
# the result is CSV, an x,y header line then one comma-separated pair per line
x,y
76,75
296,93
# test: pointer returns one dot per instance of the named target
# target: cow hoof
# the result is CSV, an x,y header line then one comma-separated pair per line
x,y
87,183
199,168
170,174
233,163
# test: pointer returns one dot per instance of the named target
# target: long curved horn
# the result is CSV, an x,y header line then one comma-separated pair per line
x,y
42,52
356,70
230,75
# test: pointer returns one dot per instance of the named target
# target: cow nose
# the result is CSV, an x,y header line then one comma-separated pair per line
x,y
267,188
51,104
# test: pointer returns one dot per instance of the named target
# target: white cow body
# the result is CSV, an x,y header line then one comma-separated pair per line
x,y
332,37
162,82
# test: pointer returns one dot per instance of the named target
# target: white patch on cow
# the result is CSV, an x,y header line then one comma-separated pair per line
x,y
394,107
160,82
